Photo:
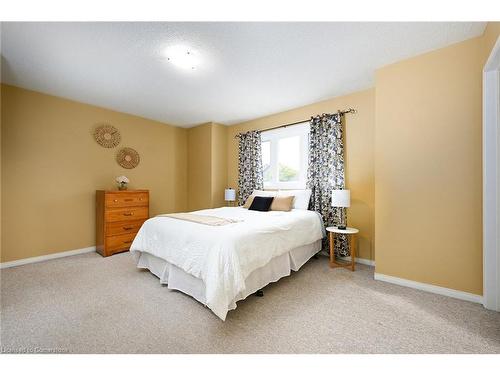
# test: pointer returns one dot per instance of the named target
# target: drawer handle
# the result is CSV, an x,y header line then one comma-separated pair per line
x,y
127,241
128,214
128,200
128,228
140,199
115,200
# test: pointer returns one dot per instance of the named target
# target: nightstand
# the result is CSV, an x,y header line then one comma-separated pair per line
x,y
351,233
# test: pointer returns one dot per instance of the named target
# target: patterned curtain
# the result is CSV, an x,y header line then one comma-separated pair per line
x,y
249,164
326,172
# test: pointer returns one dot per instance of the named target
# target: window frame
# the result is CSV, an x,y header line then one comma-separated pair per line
x,y
273,136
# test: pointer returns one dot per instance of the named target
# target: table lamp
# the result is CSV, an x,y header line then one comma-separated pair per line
x,y
229,195
341,198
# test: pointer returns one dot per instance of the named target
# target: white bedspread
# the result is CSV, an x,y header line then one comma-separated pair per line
x,y
223,256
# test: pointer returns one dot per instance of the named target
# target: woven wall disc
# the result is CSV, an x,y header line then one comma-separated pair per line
x,y
128,158
107,136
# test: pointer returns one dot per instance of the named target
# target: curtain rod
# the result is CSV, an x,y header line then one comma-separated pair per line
x,y
350,110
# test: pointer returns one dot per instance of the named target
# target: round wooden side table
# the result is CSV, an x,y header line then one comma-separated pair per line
x,y
351,232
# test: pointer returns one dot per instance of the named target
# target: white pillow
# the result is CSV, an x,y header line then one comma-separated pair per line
x,y
264,193
301,200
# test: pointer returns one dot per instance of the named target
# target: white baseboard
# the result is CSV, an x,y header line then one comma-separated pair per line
x,y
368,262
430,288
43,258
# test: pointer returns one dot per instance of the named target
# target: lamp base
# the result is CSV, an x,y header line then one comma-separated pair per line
x,y
342,227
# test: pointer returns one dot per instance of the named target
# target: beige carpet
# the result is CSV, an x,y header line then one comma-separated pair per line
x,y
89,304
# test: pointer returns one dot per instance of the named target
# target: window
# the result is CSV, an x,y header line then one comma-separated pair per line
x,y
284,157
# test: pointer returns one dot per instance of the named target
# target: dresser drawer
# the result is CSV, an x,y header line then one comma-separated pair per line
x,y
126,214
126,199
121,242
115,228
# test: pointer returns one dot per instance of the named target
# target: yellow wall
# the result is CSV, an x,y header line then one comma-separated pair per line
x,y
219,164
428,222
207,166
199,167
490,37
52,166
359,143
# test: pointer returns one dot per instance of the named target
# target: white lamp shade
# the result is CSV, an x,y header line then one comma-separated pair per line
x,y
229,195
341,198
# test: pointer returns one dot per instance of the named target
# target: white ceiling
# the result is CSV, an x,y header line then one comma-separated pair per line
x,y
249,70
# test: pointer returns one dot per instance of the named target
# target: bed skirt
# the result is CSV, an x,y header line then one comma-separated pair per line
x,y
176,278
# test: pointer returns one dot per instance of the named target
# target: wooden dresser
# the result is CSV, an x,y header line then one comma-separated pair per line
x,y
120,214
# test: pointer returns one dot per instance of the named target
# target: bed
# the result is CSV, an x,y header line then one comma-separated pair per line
x,y
220,265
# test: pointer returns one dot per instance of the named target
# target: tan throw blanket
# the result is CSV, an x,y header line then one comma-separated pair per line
x,y
201,219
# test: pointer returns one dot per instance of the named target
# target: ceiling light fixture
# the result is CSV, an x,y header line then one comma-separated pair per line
x,y
182,57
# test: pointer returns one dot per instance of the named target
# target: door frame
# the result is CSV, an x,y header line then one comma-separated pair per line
x,y
491,180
